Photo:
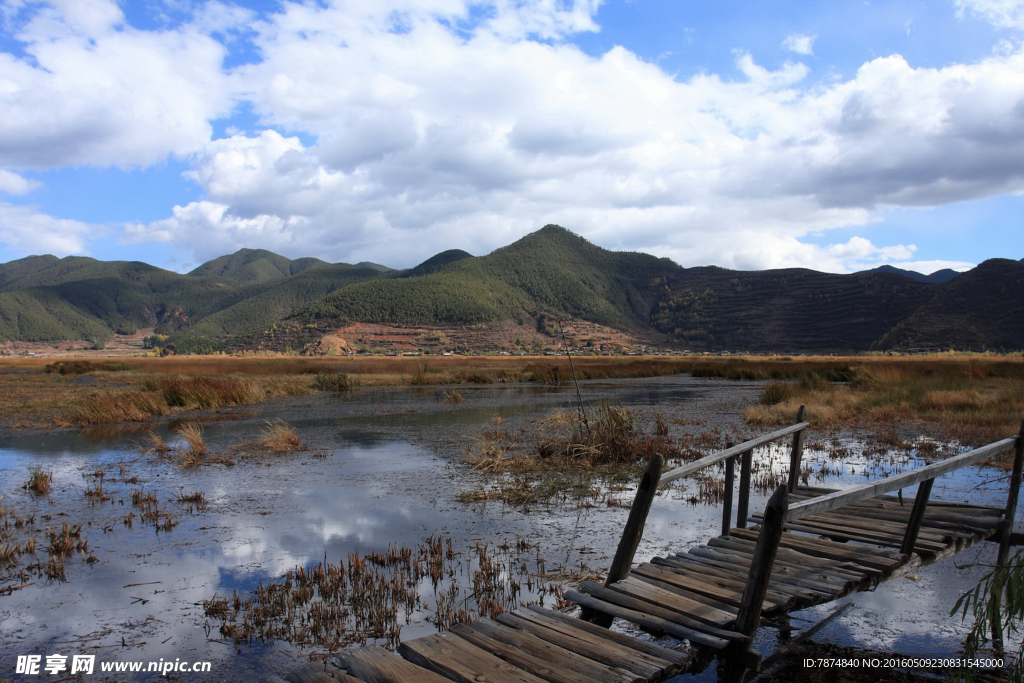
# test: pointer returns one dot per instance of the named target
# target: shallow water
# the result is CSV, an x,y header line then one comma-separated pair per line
x,y
390,474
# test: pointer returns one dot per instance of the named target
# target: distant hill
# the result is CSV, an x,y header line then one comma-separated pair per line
x,y
436,262
944,275
375,266
257,307
550,272
980,309
257,299
785,310
255,265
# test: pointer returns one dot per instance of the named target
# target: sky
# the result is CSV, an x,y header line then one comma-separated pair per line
x,y
836,135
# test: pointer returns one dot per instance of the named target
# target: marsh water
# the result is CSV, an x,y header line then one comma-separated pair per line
x,y
384,467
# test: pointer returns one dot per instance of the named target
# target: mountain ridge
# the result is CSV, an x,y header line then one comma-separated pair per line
x,y
256,299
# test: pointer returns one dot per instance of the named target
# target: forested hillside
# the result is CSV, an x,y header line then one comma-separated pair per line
x,y
255,299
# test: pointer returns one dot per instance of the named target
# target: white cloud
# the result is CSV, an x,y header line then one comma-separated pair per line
x,y
12,183
799,43
1003,13
94,91
404,127
26,229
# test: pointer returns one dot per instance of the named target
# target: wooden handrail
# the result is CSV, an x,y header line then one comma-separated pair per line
x,y
715,458
832,501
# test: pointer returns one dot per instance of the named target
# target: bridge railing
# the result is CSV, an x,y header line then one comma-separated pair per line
x,y
653,479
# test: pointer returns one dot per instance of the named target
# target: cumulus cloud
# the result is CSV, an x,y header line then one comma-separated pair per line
x,y
12,183
393,129
799,43
27,229
92,90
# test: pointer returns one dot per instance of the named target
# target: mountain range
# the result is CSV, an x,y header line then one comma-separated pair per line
x,y
256,299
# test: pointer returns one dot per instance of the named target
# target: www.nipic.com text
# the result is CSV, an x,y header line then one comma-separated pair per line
x,y
86,664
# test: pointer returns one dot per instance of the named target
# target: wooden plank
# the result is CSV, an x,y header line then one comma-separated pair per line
x,y
831,501
790,557
837,532
451,656
730,475
374,664
785,579
645,620
642,604
542,649
722,596
541,668
694,613
312,673
715,458
714,577
603,650
642,646
878,558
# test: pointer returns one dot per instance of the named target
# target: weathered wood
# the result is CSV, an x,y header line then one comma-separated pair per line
x,y
711,577
784,580
730,474
837,551
541,668
451,656
644,620
768,539
727,596
633,532
374,664
542,649
312,673
743,505
639,646
839,499
586,645
797,452
924,492
733,666
695,615
608,647
1010,511
715,458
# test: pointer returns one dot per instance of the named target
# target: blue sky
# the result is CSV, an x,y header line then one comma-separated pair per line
x,y
830,135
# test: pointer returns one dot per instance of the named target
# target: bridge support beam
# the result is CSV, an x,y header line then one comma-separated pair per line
x,y
737,658
631,535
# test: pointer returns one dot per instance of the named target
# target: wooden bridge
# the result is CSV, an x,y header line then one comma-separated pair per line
x,y
809,546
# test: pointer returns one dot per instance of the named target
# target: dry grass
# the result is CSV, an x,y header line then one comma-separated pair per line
x,y
197,451
39,481
279,436
973,402
452,396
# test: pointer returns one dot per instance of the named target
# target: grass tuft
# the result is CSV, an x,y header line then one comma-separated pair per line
x,y
39,481
280,437
328,380
197,451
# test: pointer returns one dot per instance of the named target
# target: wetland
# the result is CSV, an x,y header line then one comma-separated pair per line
x,y
388,501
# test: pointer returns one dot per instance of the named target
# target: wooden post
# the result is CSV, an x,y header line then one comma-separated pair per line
x,y
798,451
1009,515
924,491
733,662
730,480
631,535
743,505
1010,511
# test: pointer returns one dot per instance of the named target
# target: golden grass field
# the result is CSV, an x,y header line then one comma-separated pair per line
x,y
974,399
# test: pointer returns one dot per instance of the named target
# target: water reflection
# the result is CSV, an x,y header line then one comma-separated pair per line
x,y
378,486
